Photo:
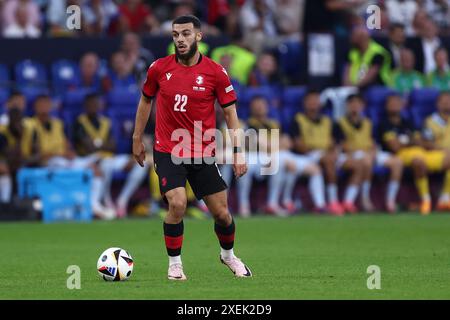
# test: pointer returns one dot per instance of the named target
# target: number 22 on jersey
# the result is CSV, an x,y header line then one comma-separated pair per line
x,y
180,103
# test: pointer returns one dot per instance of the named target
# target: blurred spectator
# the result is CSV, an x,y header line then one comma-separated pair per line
x,y
51,148
137,56
22,26
368,62
420,18
137,17
258,24
8,14
93,135
329,15
425,46
439,12
265,71
90,76
182,9
289,17
14,136
239,59
405,78
440,77
15,101
224,14
401,11
57,16
121,73
396,42
98,16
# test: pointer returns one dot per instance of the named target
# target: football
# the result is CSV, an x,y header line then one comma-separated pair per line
x,y
115,264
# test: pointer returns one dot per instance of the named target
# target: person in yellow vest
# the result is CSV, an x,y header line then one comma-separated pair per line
x,y
354,133
436,134
263,153
368,62
400,137
93,136
313,136
51,148
14,138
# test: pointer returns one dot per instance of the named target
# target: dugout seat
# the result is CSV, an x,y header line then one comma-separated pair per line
x,y
29,73
123,98
64,75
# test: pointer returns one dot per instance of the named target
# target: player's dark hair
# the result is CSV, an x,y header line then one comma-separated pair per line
x,y
311,91
91,96
392,95
357,96
15,93
442,94
42,97
258,97
396,25
188,19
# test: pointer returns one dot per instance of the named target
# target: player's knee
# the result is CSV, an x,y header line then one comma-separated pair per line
x,y
223,216
177,205
313,169
396,164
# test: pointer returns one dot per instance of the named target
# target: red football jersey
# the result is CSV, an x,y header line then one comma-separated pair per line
x,y
185,98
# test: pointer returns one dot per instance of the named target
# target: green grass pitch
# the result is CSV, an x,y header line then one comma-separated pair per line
x,y
303,257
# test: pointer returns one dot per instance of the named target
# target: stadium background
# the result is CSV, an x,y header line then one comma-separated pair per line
x,y
278,62
304,257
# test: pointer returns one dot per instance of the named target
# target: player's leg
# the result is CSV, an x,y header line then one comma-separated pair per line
x,y
444,198
395,166
419,169
367,161
276,181
316,185
328,163
355,168
207,184
5,182
173,231
135,177
224,228
172,182
244,185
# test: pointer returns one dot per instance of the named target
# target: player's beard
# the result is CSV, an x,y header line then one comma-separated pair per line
x,y
188,55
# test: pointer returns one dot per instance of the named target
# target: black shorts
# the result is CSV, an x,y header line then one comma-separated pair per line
x,y
204,178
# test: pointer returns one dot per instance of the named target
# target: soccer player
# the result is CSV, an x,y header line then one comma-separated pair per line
x,y
436,133
313,136
92,135
354,134
399,136
186,86
14,137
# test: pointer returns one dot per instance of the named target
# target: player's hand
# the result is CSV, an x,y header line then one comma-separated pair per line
x,y
139,151
239,165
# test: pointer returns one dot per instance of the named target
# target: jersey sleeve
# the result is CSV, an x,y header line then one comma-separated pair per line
x,y
150,86
224,90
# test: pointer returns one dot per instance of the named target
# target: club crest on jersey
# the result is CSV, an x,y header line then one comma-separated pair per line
x,y
199,80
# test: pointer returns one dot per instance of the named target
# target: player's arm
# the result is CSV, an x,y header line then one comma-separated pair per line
x,y
142,116
149,90
235,131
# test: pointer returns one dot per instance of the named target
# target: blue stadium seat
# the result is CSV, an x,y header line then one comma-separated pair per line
x,y
123,99
292,96
270,93
288,56
4,94
376,96
64,75
424,97
30,73
420,112
4,76
73,100
122,126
